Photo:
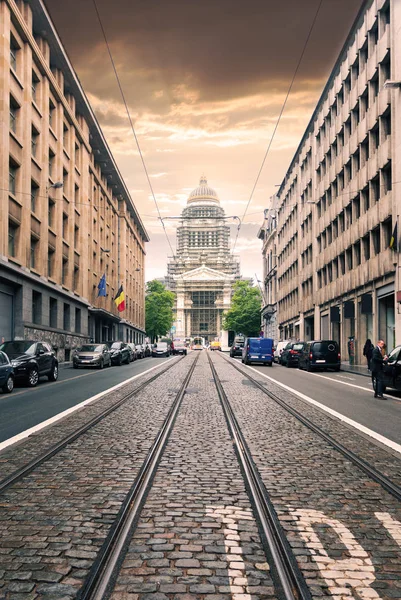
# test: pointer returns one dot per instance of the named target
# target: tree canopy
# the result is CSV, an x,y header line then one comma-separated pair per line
x,y
244,314
159,304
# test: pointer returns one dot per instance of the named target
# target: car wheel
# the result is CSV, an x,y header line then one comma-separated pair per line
x,y
101,364
309,367
9,385
33,377
53,375
75,366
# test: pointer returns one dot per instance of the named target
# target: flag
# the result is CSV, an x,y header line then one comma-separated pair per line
x,y
120,299
101,286
394,238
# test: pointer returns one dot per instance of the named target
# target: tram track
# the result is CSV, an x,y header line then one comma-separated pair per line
x,y
376,475
71,437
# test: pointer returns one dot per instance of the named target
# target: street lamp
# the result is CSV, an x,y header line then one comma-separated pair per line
x,y
57,185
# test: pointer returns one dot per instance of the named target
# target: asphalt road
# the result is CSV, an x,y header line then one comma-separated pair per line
x,y
26,407
347,393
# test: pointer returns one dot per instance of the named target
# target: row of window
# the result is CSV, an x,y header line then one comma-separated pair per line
x,y
52,317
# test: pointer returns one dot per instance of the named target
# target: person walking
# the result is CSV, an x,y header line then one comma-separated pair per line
x,y
367,351
377,368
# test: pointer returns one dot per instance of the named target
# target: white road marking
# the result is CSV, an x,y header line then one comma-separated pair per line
x,y
354,385
341,575
237,577
40,426
392,525
370,432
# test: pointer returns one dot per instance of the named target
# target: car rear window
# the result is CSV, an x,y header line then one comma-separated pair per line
x,y
325,346
298,346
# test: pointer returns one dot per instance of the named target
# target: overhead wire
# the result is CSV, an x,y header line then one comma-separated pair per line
x,y
280,115
131,122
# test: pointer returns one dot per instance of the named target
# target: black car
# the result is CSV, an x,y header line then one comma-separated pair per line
x,y
236,349
31,359
120,353
391,370
320,354
6,374
290,354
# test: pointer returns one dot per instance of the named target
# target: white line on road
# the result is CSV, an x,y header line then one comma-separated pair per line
x,y
370,432
36,428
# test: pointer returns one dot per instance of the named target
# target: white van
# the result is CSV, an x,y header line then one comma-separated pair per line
x,y
279,350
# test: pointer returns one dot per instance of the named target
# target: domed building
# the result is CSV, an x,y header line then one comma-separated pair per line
x,y
204,269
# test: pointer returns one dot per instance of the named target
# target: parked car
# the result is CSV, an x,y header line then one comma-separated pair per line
x,y
320,354
6,374
140,351
92,355
236,349
161,349
120,353
180,348
133,351
148,350
290,354
391,371
279,350
215,346
258,350
31,360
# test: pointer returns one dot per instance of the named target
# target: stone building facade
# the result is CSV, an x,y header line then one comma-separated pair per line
x,y
267,233
66,216
337,207
204,269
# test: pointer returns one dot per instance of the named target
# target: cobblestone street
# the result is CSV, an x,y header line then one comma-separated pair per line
x,y
198,535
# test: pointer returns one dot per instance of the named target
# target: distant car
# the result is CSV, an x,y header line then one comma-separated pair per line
x,y
140,351
161,349
92,355
120,353
180,348
215,346
148,349
291,352
31,360
133,351
6,374
391,371
236,349
279,350
258,349
320,354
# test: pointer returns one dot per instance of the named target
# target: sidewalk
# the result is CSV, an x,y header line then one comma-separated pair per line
x,y
356,369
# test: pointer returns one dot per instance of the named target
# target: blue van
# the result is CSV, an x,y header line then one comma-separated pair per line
x,y
258,349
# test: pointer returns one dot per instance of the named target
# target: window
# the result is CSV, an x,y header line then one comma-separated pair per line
x,y
14,48
66,136
66,317
356,204
386,178
33,252
75,283
375,189
52,115
34,141
35,87
366,198
348,254
51,163
12,177
342,263
386,124
51,256
78,320
374,87
374,138
357,253
51,212
13,232
36,307
76,236
14,108
65,225
34,195
64,271
364,151
376,240
366,247
77,155
53,313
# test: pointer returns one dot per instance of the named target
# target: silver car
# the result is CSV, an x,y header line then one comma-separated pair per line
x,y
92,355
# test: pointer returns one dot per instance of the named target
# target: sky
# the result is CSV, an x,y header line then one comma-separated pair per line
x,y
205,81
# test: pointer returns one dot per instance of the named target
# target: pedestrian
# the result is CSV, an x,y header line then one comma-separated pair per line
x,y
367,351
377,368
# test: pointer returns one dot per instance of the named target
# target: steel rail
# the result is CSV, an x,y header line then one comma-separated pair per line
x,y
100,578
44,456
284,564
390,487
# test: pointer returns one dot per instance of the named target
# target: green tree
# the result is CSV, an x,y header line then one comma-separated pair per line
x,y
159,304
244,314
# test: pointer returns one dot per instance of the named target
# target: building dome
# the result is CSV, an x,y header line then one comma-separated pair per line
x,y
203,193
